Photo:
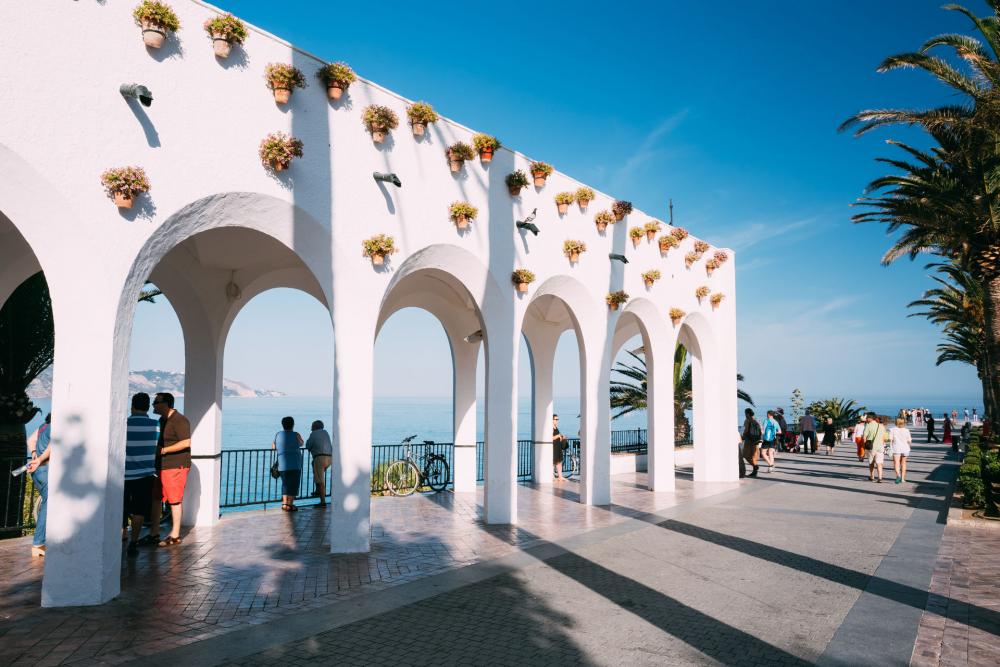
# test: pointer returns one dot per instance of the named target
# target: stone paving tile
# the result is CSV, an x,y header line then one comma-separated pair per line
x,y
255,567
954,629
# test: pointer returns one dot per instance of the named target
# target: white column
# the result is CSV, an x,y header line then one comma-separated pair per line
x,y
595,487
500,494
203,407
87,464
350,504
543,348
464,356
660,415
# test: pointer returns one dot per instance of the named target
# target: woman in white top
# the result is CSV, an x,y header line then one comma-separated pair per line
x,y
901,439
859,430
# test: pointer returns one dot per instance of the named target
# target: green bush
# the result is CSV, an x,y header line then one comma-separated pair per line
x,y
973,491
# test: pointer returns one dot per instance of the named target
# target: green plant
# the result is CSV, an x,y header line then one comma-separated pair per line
x,y
573,247
679,233
584,195
652,226
460,151
462,209
621,208
378,118
159,14
228,27
522,277
973,491
277,150
636,233
125,181
717,298
540,168
700,247
667,241
651,276
516,179
797,404
616,298
421,112
565,198
338,75
486,142
282,76
380,244
676,314
702,292
844,412
604,217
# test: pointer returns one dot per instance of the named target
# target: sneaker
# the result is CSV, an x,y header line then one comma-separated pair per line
x,y
770,468
878,481
899,480
754,473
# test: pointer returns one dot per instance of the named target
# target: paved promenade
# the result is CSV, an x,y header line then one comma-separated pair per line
x,y
810,564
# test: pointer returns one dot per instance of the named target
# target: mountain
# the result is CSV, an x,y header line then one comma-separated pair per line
x,y
153,381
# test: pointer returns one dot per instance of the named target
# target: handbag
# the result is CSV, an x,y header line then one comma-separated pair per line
x,y
275,473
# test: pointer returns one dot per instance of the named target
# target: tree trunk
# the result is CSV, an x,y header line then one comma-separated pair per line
x,y
991,300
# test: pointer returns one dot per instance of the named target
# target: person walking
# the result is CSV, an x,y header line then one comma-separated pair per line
x,y
900,440
141,433
320,446
173,465
559,445
287,443
750,436
946,437
39,445
874,438
770,434
807,425
829,436
930,428
859,440
782,439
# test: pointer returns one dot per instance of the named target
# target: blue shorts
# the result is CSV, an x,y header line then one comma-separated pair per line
x,y
767,444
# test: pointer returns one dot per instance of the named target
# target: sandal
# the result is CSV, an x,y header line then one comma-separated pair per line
x,y
286,508
169,541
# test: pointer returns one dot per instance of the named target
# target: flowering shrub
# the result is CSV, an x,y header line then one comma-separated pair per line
x,y
605,217
380,244
159,14
717,298
700,247
338,75
277,150
572,247
516,179
676,314
711,265
651,276
486,142
636,233
282,76
228,27
679,233
522,276
421,112
691,258
652,226
667,241
616,298
702,292
565,198
621,208
461,152
462,209
584,195
379,118
720,256
540,168
125,181
17,408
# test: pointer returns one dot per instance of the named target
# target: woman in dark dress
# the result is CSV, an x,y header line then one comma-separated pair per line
x,y
829,436
558,447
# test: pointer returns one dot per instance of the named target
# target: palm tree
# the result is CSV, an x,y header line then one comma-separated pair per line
x,y
630,396
844,412
947,202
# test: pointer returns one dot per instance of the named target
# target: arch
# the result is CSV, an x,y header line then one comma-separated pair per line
x,y
711,453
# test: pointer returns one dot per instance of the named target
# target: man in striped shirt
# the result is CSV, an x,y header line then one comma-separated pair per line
x,y
140,466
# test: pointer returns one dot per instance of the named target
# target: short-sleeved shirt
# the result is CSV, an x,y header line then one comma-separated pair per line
x,y
140,446
875,432
319,443
900,438
287,445
174,429
44,434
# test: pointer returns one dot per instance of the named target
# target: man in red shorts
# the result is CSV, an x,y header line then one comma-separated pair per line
x,y
173,464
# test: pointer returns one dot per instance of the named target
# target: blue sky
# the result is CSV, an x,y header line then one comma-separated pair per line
x,y
728,108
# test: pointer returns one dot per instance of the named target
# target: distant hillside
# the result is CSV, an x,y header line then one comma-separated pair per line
x,y
154,381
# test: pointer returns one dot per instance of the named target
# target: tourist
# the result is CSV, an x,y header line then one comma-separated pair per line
x,y
964,434
930,428
739,451
900,439
174,452
140,466
966,414
287,443
859,439
829,436
321,448
779,418
954,415
975,416
751,438
770,434
38,445
807,424
559,445
874,438
946,438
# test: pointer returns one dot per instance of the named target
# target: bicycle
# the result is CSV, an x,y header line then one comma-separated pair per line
x,y
403,477
573,451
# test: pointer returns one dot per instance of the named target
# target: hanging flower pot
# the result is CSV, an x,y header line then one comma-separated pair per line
x,y
636,234
336,77
584,196
521,279
710,266
282,79
603,219
652,228
540,171
615,299
666,242
563,200
123,184
379,120
717,299
690,259
378,247
516,181
420,114
621,208
486,145
156,20
458,153
572,250
679,234
676,315
278,150
650,277
461,213
225,31
701,292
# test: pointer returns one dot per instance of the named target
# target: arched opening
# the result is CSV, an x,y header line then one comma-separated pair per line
x,y
709,453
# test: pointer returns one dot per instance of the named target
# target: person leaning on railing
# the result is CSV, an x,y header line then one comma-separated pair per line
x,y
287,443
320,446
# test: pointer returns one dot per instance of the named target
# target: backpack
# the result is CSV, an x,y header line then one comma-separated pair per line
x,y
752,432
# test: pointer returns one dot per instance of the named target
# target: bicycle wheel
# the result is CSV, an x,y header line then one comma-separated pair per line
x,y
401,478
437,474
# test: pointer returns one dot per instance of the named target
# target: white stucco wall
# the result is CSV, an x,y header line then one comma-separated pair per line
x,y
63,122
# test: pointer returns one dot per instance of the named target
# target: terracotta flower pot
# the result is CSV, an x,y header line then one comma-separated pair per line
x,y
664,248
649,283
601,226
334,92
153,35
282,95
714,306
377,259
515,191
688,263
522,287
574,257
650,235
419,129
123,201
675,320
583,205
222,46
462,222
613,306
708,271
635,242
619,217
486,155
278,166
456,165
378,136
563,208
540,177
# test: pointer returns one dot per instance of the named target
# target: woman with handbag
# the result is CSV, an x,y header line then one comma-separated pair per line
x,y
287,444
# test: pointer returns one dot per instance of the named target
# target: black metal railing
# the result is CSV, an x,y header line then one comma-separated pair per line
x,y
18,497
384,455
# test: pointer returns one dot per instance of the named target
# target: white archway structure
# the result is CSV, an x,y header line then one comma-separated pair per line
x,y
201,159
